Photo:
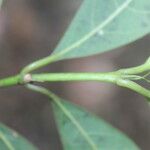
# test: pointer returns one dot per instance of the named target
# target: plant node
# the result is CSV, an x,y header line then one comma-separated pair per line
x,y
27,78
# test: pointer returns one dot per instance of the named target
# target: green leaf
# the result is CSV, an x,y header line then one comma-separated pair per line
x,y
102,25
10,140
81,130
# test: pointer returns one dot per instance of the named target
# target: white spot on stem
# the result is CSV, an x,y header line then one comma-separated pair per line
x,y
27,78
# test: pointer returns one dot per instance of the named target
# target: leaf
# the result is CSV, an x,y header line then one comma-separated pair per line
x,y
102,25
81,130
10,140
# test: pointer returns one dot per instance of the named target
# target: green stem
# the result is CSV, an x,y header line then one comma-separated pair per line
x,y
68,114
135,87
137,70
111,77
123,77
56,56
10,81
129,73
54,77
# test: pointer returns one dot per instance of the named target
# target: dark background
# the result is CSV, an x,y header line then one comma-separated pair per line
x,y
29,30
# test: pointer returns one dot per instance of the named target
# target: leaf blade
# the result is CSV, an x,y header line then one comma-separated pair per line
x,y
10,140
104,136
105,31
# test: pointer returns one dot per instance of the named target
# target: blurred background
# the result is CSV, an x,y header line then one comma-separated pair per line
x,y
29,30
